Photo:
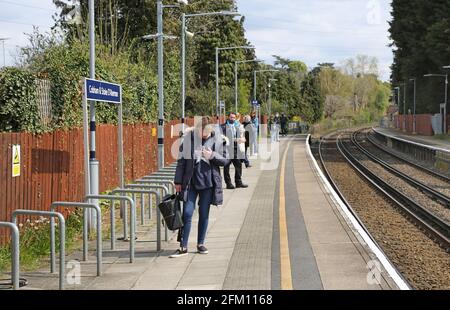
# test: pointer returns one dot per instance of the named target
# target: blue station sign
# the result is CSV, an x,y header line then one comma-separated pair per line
x,y
103,91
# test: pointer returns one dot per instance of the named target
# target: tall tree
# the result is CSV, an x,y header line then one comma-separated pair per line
x,y
419,31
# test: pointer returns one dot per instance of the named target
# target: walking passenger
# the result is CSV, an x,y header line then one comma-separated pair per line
x,y
198,176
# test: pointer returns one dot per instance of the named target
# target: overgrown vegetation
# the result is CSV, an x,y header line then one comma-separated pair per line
x,y
18,104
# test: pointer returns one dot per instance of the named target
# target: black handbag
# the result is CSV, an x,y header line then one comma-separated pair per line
x,y
170,209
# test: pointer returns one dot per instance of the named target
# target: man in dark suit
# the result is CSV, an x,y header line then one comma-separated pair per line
x,y
233,132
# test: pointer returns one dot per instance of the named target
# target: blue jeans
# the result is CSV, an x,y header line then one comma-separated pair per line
x,y
205,198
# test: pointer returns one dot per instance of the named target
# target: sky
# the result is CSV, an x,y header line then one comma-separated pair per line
x,y
312,31
316,31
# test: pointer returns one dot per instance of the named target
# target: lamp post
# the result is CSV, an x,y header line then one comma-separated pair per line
x,y
93,187
398,103
4,53
446,96
254,79
160,37
270,96
255,85
414,112
218,49
404,106
236,63
184,32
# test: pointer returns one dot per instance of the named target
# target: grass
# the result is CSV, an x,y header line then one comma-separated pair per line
x,y
35,242
35,238
327,126
442,137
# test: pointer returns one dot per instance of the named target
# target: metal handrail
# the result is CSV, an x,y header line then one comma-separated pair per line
x,y
158,214
147,186
15,251
85,241
62,238
158,180
164,192
132,205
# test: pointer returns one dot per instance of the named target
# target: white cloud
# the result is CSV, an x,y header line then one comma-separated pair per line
x,y
312,31
320,30
17,17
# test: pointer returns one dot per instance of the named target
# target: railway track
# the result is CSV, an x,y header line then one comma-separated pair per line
x,y
432,225
373,140
417,248
426,189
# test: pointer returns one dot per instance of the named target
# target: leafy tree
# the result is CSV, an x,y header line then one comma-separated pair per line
x,y
419,31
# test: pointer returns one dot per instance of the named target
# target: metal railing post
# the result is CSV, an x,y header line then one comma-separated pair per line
x,y
62,239
15,253
148,185
99,225
158,214
113,199
163,193
158,180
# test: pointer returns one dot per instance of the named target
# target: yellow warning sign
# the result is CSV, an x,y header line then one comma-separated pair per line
x,y
153,132
15,160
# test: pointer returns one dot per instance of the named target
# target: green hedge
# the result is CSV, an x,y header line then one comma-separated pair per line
x,y
65,65
18,105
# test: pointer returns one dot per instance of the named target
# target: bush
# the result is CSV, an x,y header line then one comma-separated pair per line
x,y
18,105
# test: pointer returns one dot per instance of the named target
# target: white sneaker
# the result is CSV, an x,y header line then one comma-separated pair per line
x,y
179,253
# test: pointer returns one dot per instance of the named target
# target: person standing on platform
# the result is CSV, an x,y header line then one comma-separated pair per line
x,y
284,124
275,132
234,135
248,127
254,136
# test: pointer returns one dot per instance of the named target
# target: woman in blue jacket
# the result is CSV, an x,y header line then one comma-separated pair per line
x,y
198,176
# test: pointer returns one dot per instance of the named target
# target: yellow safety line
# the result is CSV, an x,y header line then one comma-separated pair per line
x,y
286,275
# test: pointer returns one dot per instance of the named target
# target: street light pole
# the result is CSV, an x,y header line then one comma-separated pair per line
x,y
160,85
236,63
270,96
4,53
236,87
94,164
184,17
414,112
218,49
254,79
270,102
255,85
160,38
183,69
446,96
217,83
398,103
404,106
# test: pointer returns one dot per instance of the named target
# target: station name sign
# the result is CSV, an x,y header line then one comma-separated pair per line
x,y
103,91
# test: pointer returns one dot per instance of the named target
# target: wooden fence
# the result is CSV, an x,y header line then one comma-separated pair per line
x,y
52,164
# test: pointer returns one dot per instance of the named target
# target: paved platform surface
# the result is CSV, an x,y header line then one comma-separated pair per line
x,y
283,232
429,141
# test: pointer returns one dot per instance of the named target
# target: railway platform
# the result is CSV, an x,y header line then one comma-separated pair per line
x,y
430,142
286,231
